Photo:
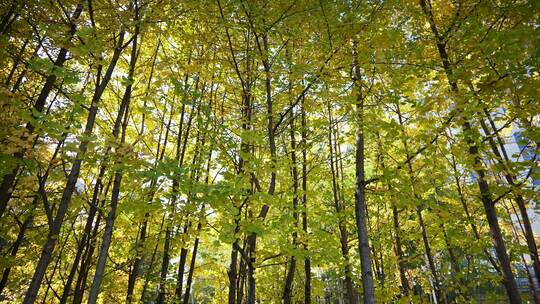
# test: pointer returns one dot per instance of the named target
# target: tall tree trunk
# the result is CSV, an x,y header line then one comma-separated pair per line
x,y
6,188
343,233
252,239
87,257
427,247
135,268
287,290
50,278
509,281
470,219
164,267
360,191
48,248
399,252
505,161
17,243
231,273
123,115
181,271
144,297
180,153
98,187
192,265
429,256
307,260
160,153
397,233
532,287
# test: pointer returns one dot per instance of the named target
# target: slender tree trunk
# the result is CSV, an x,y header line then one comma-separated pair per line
x,y
84,269
179,159
505,161
427,247
252,239
241,281
307,260
192,265
107,234
195,245
144,297
470,219
123,114
287,290
6,188
18,242
429,256
49,279
180,153
181,271
134,273
98,187
509,281
343,233
231,272
532,287
360,191
399,252
397,234
164,267
160,153
48,248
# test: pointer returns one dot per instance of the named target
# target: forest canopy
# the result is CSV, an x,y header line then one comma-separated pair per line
x,y
256,151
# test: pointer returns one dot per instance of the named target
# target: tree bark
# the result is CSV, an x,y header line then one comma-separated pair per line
x,y
505,161
287,290
307,260
360,191
123,115
6,188
509,281
343,233
48,248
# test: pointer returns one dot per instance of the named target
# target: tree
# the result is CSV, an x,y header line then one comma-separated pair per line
x,y
202,151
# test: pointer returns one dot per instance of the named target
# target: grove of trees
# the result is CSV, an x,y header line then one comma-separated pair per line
x,y
269,151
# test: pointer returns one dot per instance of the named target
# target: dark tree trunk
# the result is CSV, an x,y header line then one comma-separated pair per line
x,y
16,245
505,161
509,281
427,247
164,267
287,290
135,267
231,272
180,273
360,205
192,266
98,187
122,117
6,188
307,260
343,233
48,248
80,285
